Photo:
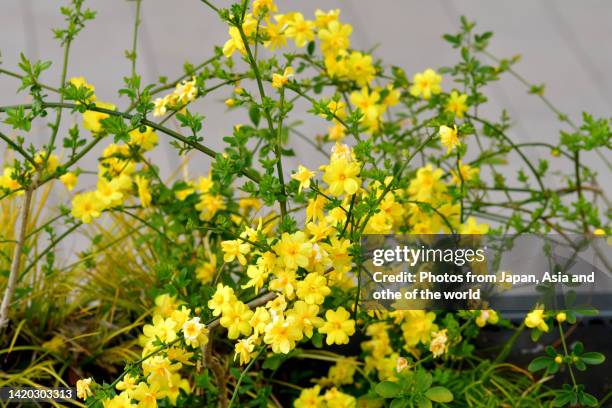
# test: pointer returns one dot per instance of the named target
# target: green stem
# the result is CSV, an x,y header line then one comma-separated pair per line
x,y
18,149
251,174
18,76
58,119
565,350
262,95
135,37
242,374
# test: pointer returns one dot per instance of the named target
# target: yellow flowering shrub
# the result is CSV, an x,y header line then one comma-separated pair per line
x,y
252,295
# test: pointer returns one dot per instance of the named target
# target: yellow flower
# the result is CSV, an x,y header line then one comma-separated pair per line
x,y
205,271
276,37
457,104
186,91
146,140
599,232
230,102
561,317
337,399
195,332
52,161
164,329
418,326
401,364
303,175
285,281
160,370
82,82
487,316
165,305
305,316
7,180
338,250
282,334
205,184
337,109
309,398
235,42
337,65
109,192
235,318
86,207
322,19
209,205
260,6
257,275
127,384
260,319
427,186
300,30
439,343
426,83
91,119
313,289
278,80
471,227
160,106
341,151
342,177
535,319
122,400
175,386
293,250
83,387
222,297
314,210
144,194
115,161
180,316
466,172
244,350
69,180
335,37
235,249
360,68
319,231
147,395
393,96
342,372
449,137
338,326
367,102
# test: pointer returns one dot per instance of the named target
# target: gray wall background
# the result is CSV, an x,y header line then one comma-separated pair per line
x,y
566,44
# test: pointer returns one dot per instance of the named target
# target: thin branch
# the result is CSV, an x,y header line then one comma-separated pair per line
x,y
24,214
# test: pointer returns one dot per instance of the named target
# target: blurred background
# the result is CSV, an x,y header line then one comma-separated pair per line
x,y
564,44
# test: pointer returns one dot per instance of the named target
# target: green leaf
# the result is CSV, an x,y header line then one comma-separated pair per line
x,y
593,358
587,311
388,389
562,398
539,363
587,399
400,403
439,394
274,361
255,114
311,48
422,380
578,348
423,402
